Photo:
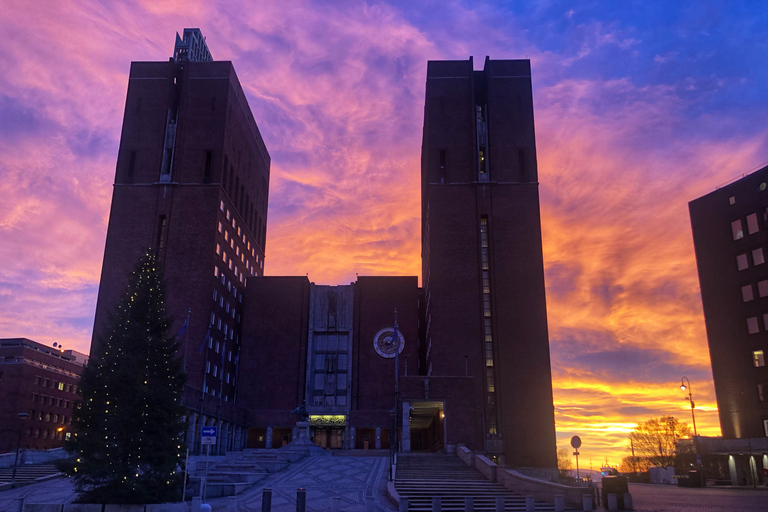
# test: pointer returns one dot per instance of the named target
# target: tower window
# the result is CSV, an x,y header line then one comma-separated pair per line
x,y
758,358
207,172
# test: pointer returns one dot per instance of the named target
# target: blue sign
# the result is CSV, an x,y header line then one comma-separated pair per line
x,y
208,431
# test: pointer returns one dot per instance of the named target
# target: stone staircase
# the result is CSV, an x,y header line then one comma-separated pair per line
x,y
27,472
237,471
422,476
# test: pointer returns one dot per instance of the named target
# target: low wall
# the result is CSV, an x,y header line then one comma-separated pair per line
x,y
32,457
94,507
540,489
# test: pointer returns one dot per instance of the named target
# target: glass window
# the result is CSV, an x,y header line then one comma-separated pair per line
x,y
752,325
342,362
757,256
762,288
752,223
762,391
319,381
341,381
732,200
741,261
746,293
737,230
758,358
341,400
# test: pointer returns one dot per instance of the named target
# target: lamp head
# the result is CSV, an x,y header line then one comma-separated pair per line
x,y
682,386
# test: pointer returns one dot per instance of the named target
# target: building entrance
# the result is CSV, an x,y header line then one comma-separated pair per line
x,y
329,437
427,426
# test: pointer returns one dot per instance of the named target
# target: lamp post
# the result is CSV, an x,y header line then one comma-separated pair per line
x,y
22,416
686,384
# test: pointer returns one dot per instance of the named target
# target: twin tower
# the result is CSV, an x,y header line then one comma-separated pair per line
x,y
472,349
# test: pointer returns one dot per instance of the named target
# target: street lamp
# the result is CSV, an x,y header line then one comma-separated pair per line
x,y
22,416
687,386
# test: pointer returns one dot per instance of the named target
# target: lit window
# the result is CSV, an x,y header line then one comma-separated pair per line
x,y
220,227
752,325
213,318
218,249
228,216
234,224
207,367
242,258
752,223
226,236
215,271
737,230
210,340
221,301
232,243
217,346
215,370
758,358
741,261
765,427
221,205
239,232
746,293
237,251
757,256
224,257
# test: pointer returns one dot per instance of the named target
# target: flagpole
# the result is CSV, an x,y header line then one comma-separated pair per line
x,y
396,341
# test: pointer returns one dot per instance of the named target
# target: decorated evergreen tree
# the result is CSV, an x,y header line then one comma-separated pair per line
x,y
127,446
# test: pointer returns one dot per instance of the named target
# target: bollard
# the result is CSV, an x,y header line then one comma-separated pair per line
x,y
499,503
196,504
403,505
613,503
628,501
437,504
301,499
530,504
266,500
232,504
205,507
559,503
336,504
18,504
586,501
469,504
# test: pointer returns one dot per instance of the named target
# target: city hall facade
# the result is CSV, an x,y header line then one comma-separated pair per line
x,y
462,359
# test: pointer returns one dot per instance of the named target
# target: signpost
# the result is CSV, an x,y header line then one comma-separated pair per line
x,y
576,443
207,438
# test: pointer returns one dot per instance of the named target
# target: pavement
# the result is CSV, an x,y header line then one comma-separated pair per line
x,y
358,484
670,498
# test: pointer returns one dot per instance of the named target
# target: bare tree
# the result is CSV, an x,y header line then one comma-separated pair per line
x,y
564,461
654,441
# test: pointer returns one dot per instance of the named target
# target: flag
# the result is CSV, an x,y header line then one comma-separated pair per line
x,y
183,327
207,335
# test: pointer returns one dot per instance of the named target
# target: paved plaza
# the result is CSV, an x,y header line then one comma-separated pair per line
x,y
358,484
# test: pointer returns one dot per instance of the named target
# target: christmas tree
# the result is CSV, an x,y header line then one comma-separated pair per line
x,y
129,425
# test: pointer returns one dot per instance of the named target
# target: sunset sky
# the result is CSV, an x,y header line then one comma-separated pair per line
x,y
640,106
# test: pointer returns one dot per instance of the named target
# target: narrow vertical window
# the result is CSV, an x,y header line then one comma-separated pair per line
x,y
443,163
131,164
161,233
207,172
737,230
752,223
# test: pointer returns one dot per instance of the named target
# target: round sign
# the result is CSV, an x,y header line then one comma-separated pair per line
x,y
576,442
385,344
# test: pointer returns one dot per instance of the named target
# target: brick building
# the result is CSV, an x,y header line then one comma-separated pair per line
x,y
730,236
472,349
40,381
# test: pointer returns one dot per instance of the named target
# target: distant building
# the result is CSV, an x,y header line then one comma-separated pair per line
x,y
472,347
41,382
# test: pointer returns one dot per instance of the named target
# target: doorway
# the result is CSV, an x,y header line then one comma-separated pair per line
x,y
427,430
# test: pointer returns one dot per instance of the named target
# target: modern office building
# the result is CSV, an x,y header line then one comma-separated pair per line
x,y
730,236
470,361
38,384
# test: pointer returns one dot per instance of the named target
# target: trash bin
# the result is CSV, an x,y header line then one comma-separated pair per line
x,y
615,485
696,478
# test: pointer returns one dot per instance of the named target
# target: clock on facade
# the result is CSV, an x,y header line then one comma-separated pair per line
x,y
385,346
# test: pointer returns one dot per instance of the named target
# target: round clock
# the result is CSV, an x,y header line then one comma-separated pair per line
x,y
384,345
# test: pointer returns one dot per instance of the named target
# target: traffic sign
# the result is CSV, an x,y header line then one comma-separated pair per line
x,y
208,435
